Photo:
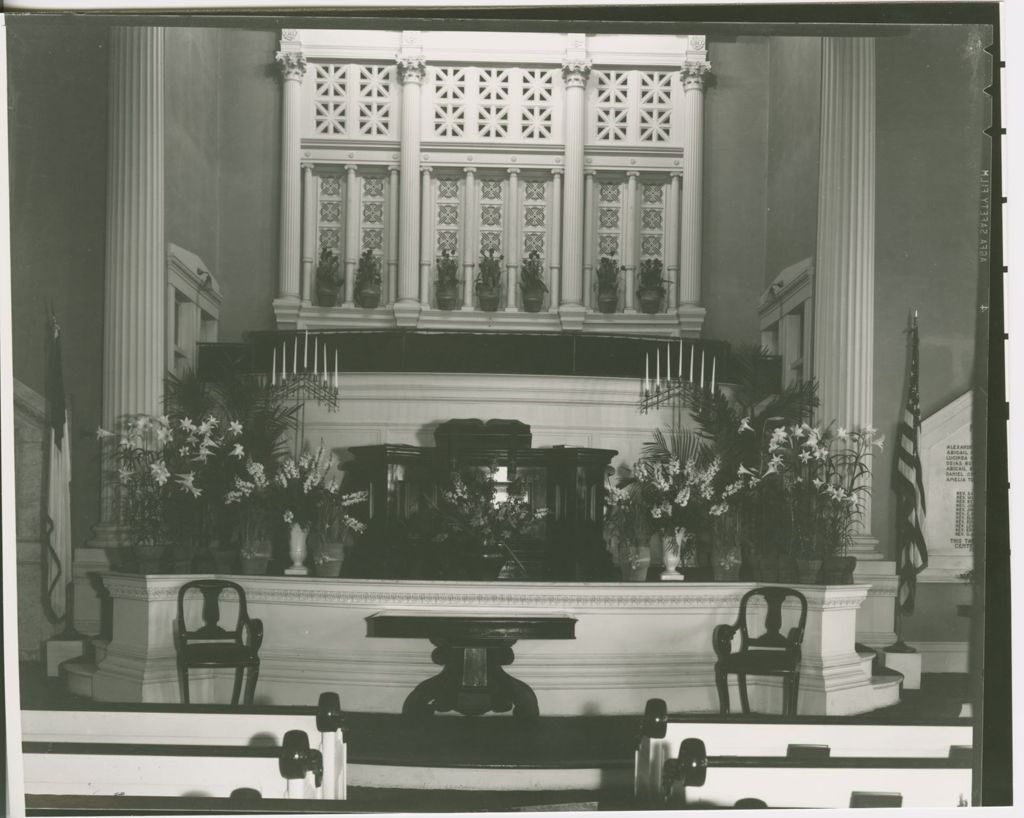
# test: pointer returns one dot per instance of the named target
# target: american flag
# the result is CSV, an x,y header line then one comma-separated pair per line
x,y
908,483
58,511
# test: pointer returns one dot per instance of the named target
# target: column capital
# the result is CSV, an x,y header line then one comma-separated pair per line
x,y
351,168
675,174
632,173
426,170
513,171
693,73
393,168
590,171
307,165
293,64
575,71
411,69
469,170
560,171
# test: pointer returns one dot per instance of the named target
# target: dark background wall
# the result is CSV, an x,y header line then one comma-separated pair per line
x,y
57,98
735,140
794,128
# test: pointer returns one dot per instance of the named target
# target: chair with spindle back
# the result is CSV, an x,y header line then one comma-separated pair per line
x,y
212,646
770,654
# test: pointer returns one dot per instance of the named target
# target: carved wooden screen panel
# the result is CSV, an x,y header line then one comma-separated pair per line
x,y
330,214
632,107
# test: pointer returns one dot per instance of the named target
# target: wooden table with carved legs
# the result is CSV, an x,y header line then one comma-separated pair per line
x,y
473,652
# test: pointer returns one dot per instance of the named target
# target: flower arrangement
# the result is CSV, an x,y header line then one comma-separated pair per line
x,y
821,478
307,491
447,271
532,273
329,277
250,494
170,471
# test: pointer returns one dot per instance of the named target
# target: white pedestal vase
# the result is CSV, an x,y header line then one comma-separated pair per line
x,y
671,553
297,551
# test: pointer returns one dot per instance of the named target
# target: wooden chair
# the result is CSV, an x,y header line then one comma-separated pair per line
x,y
212,646
770,654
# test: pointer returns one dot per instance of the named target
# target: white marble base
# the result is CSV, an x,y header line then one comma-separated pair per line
x,y
909,664
634,641
301,571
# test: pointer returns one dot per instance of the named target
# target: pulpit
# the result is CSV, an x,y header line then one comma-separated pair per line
x,y
567,481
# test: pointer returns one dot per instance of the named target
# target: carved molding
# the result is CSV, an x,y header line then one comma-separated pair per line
x,y
411,69
575,71
693,73
293,64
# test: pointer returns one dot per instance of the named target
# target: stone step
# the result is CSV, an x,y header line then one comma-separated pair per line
x,y
77,676
886,685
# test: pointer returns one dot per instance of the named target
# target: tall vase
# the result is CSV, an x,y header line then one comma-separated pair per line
x,y
671,548
297,550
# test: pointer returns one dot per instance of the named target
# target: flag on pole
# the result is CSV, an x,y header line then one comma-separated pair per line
x,y
58,509
908,483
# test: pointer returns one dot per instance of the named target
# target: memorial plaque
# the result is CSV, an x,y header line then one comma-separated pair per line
x,y
947,460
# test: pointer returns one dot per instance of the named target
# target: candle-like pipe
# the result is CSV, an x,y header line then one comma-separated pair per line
x,y
692,347
273,370
714,361
305,351
295,355
315,356
284,360
657,369
668,361
325,363
335,369
647,373
702,369
680,359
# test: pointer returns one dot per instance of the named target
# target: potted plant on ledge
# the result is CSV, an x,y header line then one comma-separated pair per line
x,y
651,287
328,278
531,282
446,287
368,281
488,281
607,285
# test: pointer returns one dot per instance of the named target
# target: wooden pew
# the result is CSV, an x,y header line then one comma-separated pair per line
x,y
800,762
197,751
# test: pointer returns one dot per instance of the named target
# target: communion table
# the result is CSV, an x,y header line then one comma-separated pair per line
x,y
633,642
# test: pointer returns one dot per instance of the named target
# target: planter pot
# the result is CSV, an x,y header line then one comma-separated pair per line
x,y
727,573
254,566
327,568
489,299
447,299
327,296
638,573
808,571
650,301
369,297
533,300
838,570
607,302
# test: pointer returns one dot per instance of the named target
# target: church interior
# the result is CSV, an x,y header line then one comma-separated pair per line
x,y
581,415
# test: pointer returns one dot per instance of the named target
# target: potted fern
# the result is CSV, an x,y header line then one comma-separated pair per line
x,y
651,287
531,282
607,285
447,285
328,278
368,281
488,281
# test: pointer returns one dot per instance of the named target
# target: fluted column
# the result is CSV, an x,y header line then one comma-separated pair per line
x,y
512,249
425,218
575,70
308,231
392,233
293,69
555,249
845,261
469,240
672,236
135,278
588,238
351,233
629,243
411,71
693,72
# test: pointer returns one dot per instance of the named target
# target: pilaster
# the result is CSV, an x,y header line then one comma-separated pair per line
x,y
351,233
555,250
308,232
469,239
411,70
575,70
293,69
393,195
512,242
589,299
695,67
135,279
630,250
425,235
672,241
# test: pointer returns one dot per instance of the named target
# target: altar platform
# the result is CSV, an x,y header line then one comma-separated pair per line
x,y
632,642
